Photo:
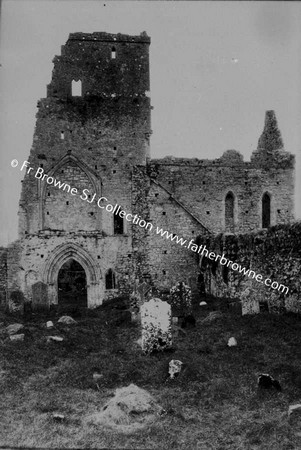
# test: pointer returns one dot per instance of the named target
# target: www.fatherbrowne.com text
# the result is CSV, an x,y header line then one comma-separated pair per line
x,y
103,203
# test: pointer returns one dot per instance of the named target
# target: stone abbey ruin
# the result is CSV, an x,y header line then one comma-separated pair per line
x,y
93,134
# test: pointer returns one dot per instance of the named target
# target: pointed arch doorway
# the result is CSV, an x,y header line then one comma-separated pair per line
x,y
56,261
72,284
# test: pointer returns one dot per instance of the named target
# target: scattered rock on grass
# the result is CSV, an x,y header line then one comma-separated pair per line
x,y
175,367
232,342
203,303
49,324
97,376
67,320
212,316
58,417
17,337
267,382
139,342
131,409
294,410
54,338
14,328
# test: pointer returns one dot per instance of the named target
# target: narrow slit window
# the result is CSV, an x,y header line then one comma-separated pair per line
x,y
266,210
229,212
118,224
110,280
113,53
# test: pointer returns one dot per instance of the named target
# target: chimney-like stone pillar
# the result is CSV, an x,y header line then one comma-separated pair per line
x,y
270,138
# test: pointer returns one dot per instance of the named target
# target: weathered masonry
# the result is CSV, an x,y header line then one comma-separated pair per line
x,y
93,134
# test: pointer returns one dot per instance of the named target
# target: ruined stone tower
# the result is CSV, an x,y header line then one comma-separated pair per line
x,y
90,159
91,129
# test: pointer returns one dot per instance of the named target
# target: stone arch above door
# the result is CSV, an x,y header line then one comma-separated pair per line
x,y
62,254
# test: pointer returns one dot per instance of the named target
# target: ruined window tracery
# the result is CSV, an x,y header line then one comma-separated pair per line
x,y
229,212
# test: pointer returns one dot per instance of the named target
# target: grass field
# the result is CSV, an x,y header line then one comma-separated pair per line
x,y
213,404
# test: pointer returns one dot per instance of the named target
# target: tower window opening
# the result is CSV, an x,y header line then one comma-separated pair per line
x,y
266,210
229,212
76,88
113,53
118,224
62,135
110,280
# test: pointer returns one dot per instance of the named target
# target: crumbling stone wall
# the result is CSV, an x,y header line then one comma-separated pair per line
x,y
203,185
274,253
3,275
158,260
96,140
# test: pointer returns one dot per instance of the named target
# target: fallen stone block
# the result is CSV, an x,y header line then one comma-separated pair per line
x,y
232,342
203,303
54,338
58,417
294,410
14,328
67,320
49,324
17,337
175,367
131,409
265,381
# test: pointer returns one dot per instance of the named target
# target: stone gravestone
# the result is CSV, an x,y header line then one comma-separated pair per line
x,y
137,299
156,326
249,302
39,296
16,302
180,299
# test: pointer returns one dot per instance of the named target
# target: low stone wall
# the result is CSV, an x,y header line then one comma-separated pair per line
x,y
3,275
273,254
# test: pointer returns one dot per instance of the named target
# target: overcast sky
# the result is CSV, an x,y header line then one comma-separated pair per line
x,y
216,67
